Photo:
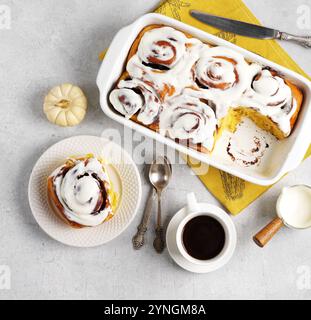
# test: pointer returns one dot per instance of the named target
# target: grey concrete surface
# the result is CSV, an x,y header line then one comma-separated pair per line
x,y
51,42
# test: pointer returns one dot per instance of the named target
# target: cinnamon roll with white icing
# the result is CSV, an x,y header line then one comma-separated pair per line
x,y
190,121
162,47
222,75
126,101
274,98
163,58
80,193
135,96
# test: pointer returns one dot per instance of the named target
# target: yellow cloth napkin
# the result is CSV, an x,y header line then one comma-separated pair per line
x,y
234,193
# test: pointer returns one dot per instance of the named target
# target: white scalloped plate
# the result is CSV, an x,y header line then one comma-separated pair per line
x,y
123,174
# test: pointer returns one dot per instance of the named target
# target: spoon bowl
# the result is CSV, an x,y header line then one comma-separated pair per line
x,y
160,173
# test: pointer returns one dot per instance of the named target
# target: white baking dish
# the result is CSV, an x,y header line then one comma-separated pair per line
x,y
287,155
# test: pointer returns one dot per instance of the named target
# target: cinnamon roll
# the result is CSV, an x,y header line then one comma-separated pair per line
x,y
80,193
219,68
222,75
162,47
190,121
163,58
126,101
272,103
191,91
135,96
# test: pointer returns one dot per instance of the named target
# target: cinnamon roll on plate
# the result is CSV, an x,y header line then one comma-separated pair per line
x,y
191,91
84,201
80,192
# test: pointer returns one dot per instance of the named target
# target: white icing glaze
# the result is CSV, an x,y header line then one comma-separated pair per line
x,y
178,74
249,154
235,76
80,194
126,101
164,46
272,97
171,68
266,85
188,118
248,147
150,109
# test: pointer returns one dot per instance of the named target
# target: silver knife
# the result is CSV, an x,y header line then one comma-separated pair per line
x,y
248,30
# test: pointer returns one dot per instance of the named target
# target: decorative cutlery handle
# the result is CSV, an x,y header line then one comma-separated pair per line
x,y
139,238
159,242
304,41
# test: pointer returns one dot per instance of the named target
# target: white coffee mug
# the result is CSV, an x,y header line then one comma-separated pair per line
x,y
195,209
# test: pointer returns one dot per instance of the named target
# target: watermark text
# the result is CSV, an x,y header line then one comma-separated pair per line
x,y
5,277
304,17
304,278
5,17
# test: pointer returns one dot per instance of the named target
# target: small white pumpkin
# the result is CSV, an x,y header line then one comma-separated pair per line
x,y
65,105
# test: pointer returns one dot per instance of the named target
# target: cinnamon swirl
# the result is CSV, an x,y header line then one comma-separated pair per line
x,y
80,192
190,91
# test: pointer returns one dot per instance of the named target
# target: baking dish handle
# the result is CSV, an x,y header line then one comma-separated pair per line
x,y
117,45
298,154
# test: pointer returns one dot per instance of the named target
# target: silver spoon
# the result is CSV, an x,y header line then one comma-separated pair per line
x,y
139,238
159,175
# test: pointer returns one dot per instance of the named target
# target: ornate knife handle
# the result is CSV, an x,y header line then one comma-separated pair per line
x,y
304,41
139,238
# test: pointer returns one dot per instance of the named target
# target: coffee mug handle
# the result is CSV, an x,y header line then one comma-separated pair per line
x,y
192,203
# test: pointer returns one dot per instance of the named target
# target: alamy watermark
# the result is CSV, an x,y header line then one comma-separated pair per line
x,y
303,281
304,17
144,150
5,17
5,277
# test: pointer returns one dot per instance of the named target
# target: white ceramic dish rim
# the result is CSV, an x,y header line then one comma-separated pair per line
x,y
113,65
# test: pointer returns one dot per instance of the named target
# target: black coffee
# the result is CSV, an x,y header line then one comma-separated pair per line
x,y
203,237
